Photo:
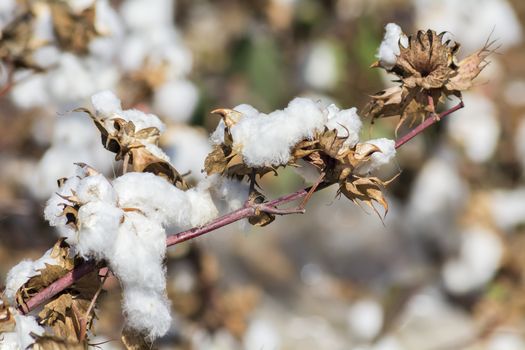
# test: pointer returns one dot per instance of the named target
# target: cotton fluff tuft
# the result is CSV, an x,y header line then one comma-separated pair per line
x,y
108,106
378,159
346,122
266,139
389,48
22,337
22,272
176,100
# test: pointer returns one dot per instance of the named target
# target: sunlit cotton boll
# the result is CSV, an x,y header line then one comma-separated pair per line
x,y
176,100
508,207
321,68
365,318
389,48
476,127
347,123
480,254
379,158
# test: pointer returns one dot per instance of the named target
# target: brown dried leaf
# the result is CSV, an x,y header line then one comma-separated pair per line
x,y
56,343
144,161
73,31
216,162
365,189
468,69
7,320
260,218
230,116
133,340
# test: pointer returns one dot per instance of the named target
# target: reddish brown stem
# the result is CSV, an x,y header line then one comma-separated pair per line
x,y
88,266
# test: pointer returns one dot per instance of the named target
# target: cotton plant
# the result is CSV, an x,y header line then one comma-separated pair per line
x,y
121,223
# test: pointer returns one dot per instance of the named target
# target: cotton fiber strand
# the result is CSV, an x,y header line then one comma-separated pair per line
x,y
389,48
377,159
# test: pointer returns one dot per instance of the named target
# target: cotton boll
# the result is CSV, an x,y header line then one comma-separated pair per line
x,y
80,5
22,272
266,140
46,56
476,128
230,193
43,24
30,92
505,341
98,228
105,103
140,247
154,196
96,188
508,207
389,48
7,10
203,209
365,318
71,80
347,123
25,326
16,277
142,120
144,14
53,210
378,159
147,311
480,255
176,100
321,69
187,148
261,334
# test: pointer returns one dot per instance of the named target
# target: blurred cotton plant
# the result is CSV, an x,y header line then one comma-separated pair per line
x,y
121,223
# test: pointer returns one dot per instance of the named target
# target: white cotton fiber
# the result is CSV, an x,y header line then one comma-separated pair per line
x,y
96,188
142,120
229,194
25,326
156,197
99,223
347,123
176,100
147,311
203,209
140,247
378,159
106,103
22,272
30,92
389,48
321,70
266,140
508,207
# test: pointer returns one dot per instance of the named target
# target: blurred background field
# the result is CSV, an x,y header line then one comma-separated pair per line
x,y
446,269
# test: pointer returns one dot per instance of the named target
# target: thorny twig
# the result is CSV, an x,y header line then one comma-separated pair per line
x,y
245,212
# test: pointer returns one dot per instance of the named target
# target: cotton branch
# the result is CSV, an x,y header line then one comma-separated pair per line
x,y
247,211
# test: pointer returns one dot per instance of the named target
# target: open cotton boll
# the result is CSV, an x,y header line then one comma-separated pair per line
x,y
46,57
389,48
158,199
98,227
347,123
30,91
43,24
480,256
176,100
142,120
24,327
71,80
228,193
144,14
203,209
476,128
105,103
7,10
140,247
378,159
321,70
22,272
508,207
147,311
266,140
96,188
187,148
365,318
